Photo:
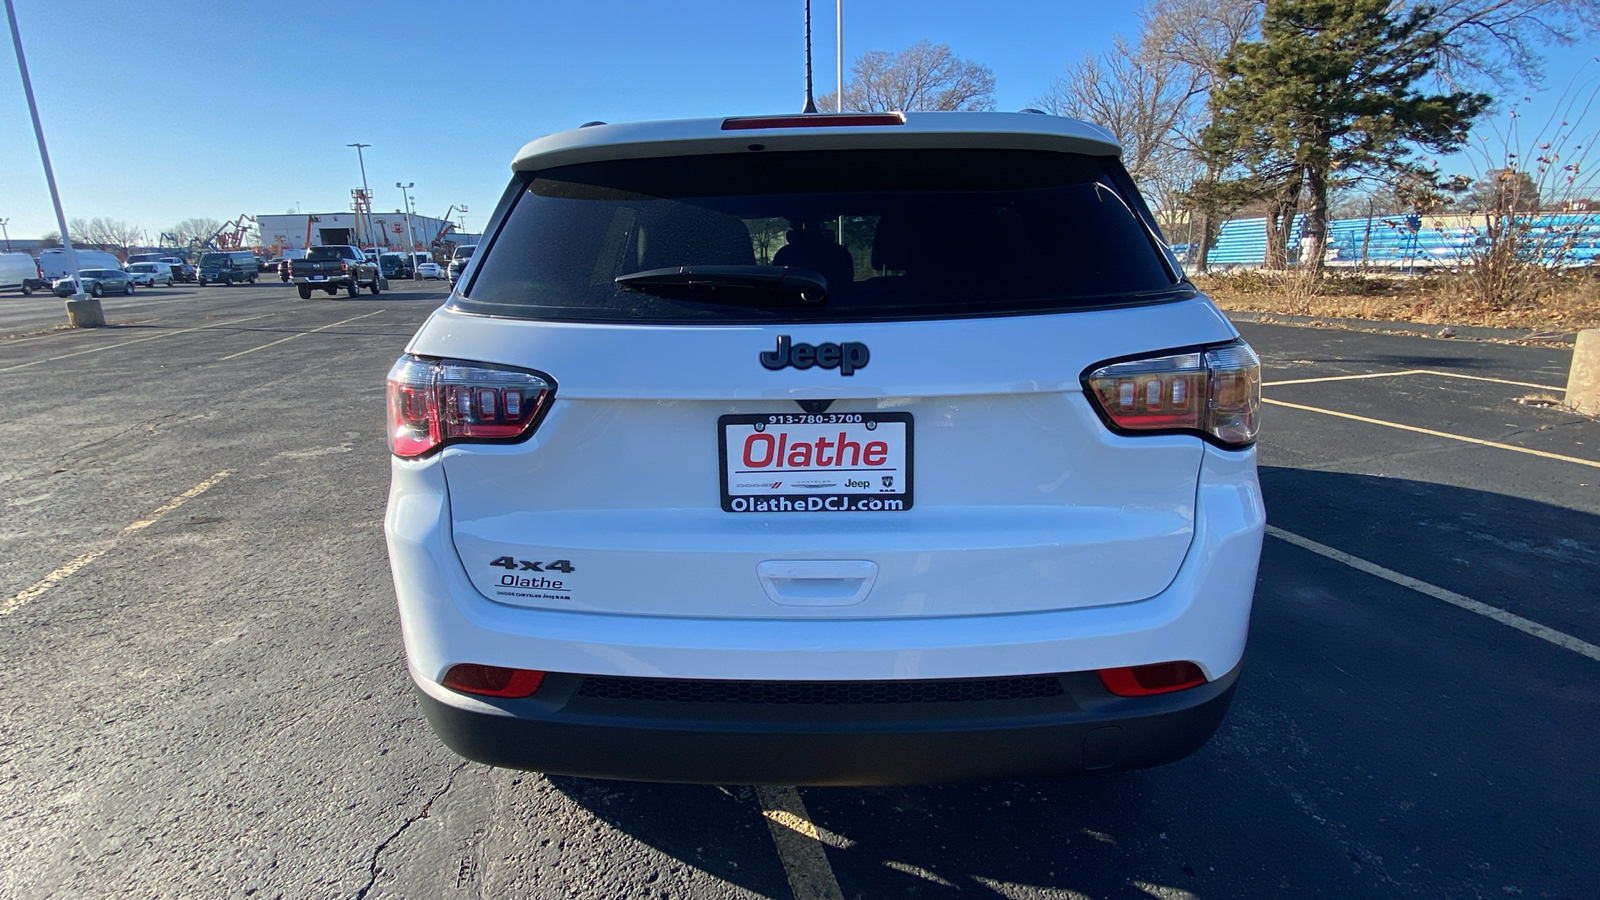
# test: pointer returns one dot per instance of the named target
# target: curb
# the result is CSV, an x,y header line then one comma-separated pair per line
x,y
1414,329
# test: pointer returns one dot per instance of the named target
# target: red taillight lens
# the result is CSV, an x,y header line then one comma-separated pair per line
x,y
344,267
435,402
493,681
1215,392
813,120
1158,678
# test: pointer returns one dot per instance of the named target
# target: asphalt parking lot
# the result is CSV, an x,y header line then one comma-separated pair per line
x,y
205,693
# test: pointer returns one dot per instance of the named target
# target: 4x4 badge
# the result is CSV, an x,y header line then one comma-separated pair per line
x,y
846,357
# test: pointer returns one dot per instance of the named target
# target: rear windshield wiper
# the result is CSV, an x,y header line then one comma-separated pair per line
x,y
731,284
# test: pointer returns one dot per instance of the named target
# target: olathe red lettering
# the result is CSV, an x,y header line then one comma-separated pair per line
x,y
762,451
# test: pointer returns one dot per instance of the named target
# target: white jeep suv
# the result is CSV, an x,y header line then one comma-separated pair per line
x,y
824,449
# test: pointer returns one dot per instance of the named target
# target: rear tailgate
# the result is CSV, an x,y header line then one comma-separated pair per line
x,y
1021,498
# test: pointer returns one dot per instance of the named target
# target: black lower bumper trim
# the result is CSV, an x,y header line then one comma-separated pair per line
x,y
561,731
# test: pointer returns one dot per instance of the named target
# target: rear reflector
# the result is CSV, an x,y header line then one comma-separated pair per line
x,y
813,120
436,402
1214,392
493,681
1157,678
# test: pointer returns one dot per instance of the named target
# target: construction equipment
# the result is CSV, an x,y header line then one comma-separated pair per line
x,y
438,241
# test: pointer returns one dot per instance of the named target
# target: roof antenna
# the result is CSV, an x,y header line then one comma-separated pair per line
x,y
811,102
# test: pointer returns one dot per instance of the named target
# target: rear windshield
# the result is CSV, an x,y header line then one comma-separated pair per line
x,y
926,234
465,252
326,253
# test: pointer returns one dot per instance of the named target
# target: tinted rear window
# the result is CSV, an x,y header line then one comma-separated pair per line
x,y
927,234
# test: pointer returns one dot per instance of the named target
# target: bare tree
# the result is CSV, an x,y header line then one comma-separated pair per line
x,y
924,76
106,234
1152,95
1499,41
195,231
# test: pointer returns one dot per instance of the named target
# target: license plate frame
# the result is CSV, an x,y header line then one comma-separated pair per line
x,y
887,487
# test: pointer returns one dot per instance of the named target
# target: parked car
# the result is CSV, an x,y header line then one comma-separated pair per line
x,y
182,269
969,495
150,274
335,267
96,283
459,260
429,270
395,265
20,272
227,267
263,264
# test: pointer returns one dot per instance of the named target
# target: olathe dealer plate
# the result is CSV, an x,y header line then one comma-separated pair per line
x,y
824,462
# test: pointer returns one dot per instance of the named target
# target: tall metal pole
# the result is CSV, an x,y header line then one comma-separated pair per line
x,y
82,311
411,237
363,161
838,51
3,224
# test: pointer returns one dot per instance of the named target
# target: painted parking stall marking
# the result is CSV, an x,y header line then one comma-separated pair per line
x,y
799,847
1433,433
1509,619
153,337
34,591
299,335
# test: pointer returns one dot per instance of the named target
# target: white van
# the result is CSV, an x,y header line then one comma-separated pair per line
x,y
53,263
19,271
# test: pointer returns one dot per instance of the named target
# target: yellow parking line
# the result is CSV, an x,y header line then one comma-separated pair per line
x,y
1439,434
1343,378
29,594
293,336
810,876
1527,384
135,341
1526,626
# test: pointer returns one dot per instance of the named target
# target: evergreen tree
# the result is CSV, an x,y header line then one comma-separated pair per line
x,y
1326,95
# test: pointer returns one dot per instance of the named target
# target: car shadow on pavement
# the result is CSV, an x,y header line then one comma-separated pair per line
x,y
1381,743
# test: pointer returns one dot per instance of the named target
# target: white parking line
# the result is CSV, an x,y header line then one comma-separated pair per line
x,y
810,876
135,341
1526,626
293,336
27,595
1527,384
1439,434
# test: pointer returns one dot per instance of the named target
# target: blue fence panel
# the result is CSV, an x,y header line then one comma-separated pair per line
x,y
1407,241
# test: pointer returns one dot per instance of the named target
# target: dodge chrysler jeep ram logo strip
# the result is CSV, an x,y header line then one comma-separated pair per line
x,y
846,357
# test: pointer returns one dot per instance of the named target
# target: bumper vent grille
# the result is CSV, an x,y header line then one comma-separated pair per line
x,y
962,690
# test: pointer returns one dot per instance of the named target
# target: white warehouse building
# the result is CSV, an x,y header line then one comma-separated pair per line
x,y
300,231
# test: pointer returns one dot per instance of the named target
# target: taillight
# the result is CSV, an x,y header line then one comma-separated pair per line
x,y
1157,678
493,681
344,267
437,402
1214,392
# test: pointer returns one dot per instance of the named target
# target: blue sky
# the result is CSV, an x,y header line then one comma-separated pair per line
x,y
159,111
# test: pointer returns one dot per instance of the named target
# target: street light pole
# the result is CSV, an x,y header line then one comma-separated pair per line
x,y
83,312
3,224
411,238
362,159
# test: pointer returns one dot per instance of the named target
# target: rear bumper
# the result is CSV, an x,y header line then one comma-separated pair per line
x,y
1084,728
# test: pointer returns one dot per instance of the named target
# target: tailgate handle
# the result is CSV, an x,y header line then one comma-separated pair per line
x,y
817,582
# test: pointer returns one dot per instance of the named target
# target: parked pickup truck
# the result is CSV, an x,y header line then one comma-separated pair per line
x,y
333,267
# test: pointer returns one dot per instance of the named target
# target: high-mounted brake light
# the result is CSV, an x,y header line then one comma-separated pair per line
x,y
813,120
1156,678
1214,392
436,402
493,681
